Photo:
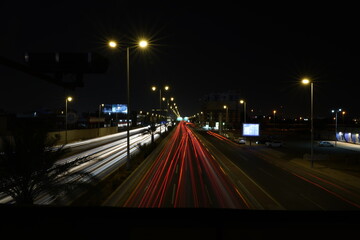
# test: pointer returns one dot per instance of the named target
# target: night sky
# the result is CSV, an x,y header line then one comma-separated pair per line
x,y
261,51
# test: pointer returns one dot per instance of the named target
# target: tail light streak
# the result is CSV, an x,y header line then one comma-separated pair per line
x,y
185,174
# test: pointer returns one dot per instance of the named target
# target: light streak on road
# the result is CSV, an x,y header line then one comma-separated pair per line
x,y
103,159
185,174
327,190
328,186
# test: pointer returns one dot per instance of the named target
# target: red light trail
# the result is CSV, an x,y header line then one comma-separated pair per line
x,y
185,175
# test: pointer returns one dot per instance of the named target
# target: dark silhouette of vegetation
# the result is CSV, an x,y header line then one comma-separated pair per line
x,y
30,166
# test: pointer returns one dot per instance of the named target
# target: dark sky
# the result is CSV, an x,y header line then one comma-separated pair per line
x,y
262,51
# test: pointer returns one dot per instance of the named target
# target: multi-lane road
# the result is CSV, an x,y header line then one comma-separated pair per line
x,y
183,174
290,187
106,154
193,168
204,169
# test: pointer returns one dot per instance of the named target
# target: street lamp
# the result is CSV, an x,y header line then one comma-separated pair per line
x,y
274,112
243,102
227,115
336,112
141,44
171,99
166,88
68,99
101,105
307,81
343,115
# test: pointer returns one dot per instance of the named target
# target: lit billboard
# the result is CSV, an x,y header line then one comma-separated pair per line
x,y
251,129
115,108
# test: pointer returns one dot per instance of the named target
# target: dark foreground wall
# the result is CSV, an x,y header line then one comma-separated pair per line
x,y
130,223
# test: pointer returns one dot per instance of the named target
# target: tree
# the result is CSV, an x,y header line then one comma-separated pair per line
x,y
30,166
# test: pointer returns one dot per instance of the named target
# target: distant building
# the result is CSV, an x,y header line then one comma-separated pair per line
x,y
213,111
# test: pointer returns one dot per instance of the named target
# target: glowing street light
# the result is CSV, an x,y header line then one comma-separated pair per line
x,y
227,114
101,105
343,116
166,88
243,102
68,99
141,44
306,81
336,112
112,44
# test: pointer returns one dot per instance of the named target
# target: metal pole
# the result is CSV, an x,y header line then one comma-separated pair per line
x,y
312,124
274,119
66,120
244,112
128,108
220,123
99,121
336,126
160,101
160,110
167,114
227,116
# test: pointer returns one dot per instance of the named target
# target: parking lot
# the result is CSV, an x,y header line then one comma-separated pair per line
x,y
343,157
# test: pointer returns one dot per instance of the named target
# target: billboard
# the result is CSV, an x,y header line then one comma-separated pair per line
x,y
115,108
251,129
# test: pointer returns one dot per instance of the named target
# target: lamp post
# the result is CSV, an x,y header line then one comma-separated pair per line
x,y
68,99
101,105
171,100
336,120
227,115
243,102
307,81
142,44
167,115
166,88
274,112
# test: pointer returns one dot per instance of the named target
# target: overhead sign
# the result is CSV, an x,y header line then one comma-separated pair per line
x,y
251,129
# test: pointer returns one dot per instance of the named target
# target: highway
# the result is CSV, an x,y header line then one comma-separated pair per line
x,y
106,154
182,175
202,169
288,187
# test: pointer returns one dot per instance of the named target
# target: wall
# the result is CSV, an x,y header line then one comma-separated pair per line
x,y
82,134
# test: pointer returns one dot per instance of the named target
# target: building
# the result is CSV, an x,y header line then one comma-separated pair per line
x,y
222,109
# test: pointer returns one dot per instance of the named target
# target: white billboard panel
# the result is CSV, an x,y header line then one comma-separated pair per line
x,y
251,129
115,108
